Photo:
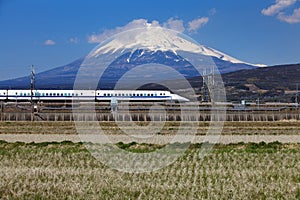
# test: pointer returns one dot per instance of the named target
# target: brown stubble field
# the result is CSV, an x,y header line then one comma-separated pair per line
x,y
230,128
67,170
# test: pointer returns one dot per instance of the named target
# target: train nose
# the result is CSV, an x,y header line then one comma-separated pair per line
x,y
180,98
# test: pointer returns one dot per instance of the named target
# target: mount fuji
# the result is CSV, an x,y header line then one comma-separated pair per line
x,y
146,47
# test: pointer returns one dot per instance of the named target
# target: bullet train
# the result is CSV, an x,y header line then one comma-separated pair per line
x,y
90,95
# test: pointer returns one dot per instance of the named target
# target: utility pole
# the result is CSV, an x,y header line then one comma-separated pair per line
x,y
296,98
212,88
204,82
1,110
32,77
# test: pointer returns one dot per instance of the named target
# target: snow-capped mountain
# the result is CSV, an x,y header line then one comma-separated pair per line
x,y
160,39
134,49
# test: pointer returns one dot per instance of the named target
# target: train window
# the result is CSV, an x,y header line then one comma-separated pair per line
x,y
43,94
76,94
108,94
28,94
46,94
160,94
57,94
151,95
123,95
133,95
50,94
148,95
72,94
105,94
98,94
81,93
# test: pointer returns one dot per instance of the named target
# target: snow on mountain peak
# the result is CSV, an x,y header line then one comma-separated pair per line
x,y
158,38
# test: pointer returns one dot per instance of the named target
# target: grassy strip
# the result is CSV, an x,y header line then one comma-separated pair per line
x,y
261,147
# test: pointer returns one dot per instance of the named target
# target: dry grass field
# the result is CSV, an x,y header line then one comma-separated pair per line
x,y
68,171
230,128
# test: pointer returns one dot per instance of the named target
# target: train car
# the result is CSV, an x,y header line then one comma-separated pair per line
x,y
138,95
50,95
133,95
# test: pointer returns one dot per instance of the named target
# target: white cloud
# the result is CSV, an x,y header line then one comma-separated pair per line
x,y
74,40
49,42
212,12
196,24
137,23
291,19
174,24
277,7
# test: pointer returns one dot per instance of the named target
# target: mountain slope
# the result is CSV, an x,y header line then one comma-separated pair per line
x,y
63,77
58,78
274,83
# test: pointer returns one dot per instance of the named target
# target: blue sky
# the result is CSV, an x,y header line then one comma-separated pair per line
x,y
52,33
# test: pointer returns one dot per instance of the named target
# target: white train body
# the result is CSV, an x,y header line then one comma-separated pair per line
x,y
90,95
3,95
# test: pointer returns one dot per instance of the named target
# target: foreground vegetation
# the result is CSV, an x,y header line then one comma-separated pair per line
x,y
230,128
67,171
